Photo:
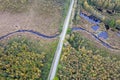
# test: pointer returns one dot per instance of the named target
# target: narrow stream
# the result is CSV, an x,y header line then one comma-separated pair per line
x,y
96,37
56,35
29,31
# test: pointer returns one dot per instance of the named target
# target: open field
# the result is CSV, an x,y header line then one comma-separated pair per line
x,y
41,15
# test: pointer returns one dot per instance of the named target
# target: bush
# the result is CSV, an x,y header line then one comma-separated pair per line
x,y
81,62
111,23
25,65
84,65
22,59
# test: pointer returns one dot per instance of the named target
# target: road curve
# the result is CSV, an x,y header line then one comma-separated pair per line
x,y
60,44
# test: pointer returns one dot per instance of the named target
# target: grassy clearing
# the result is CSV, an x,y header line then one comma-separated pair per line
x,y
65,8
14,5
44,16
50,49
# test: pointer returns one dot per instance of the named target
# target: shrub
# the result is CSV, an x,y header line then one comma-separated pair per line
x,y
81,62
21,59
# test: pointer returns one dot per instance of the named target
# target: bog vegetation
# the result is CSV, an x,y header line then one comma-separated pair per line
x,y
22,59
107,11
79,62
